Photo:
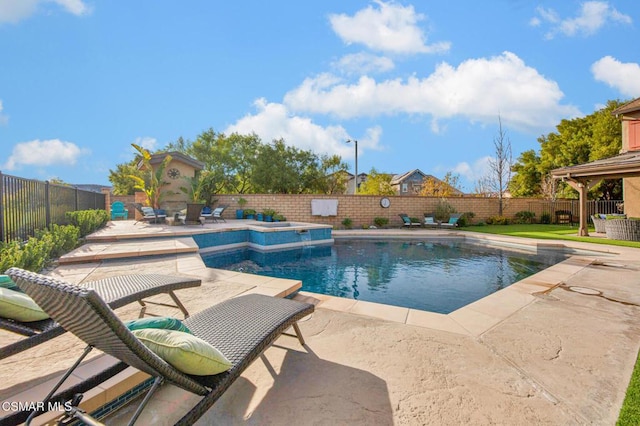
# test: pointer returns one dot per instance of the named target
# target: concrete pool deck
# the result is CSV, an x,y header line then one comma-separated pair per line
x,y
556,348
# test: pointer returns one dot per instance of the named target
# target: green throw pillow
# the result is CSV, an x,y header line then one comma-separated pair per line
x,y
20,307
164,323
7,282
184,351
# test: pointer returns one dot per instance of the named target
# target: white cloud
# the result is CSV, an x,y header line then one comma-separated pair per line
x,y
593,15
76,7
363,63
3,118
625,77
473,172
273,121
13,11
146,142
51,152
478,89
389,28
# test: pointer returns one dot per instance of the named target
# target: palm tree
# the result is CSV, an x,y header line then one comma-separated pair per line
x,y
152,181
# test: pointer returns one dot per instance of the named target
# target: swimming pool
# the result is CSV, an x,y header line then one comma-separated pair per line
x,y
437,276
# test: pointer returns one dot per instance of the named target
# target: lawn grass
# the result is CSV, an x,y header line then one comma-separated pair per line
x,y
630,411
548,232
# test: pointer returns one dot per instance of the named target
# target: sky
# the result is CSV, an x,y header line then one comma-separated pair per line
x,y
420,85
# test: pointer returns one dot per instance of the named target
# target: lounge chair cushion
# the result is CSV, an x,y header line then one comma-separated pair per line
x,y
7,282
184,351
19,307
163,323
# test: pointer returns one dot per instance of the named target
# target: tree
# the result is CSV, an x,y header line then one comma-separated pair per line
x,y
121,178
449,186
284,169
497,180
527,179
377,184
576,141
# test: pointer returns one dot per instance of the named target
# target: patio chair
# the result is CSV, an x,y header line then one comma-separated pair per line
x,y
406,221
149,214
118,210
453,221
206,213
429,220
193,215
217,214
116,291
241,328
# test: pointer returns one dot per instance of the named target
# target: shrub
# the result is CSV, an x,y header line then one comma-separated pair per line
x,y
88,221
347,222
545,218
443,211
525,216
497,220
38,251
466,218
380,221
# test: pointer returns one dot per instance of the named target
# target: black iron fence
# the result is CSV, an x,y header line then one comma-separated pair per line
x,y
27,205
563,211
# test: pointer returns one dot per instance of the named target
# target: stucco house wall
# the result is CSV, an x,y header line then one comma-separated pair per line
x,y
631,142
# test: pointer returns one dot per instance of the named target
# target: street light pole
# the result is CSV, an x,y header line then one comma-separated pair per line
x,y
355,191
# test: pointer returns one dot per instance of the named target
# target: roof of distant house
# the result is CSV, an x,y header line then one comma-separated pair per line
x,y
632,106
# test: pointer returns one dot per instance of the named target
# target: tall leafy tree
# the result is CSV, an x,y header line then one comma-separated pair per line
x,y
526,182
152,181
575,141
377,184
121,178
449,186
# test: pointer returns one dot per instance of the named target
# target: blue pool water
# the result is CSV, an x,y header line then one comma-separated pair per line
x,y
432,276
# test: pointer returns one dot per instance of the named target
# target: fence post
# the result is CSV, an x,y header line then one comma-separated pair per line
x,y
47,203
2,231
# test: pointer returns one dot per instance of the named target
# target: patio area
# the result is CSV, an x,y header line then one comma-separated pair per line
x,y
556,348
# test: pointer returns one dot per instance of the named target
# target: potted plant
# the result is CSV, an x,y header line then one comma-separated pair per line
x,y
268,214
259,217
240,210
279,218
249,213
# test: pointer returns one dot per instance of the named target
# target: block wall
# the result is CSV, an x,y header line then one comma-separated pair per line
x,y
362,209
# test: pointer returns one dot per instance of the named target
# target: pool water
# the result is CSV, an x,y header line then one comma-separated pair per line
x,y
431,276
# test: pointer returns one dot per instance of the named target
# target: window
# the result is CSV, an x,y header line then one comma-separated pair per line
x,y
634,135
405,187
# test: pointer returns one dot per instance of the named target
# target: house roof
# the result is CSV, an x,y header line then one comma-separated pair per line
x,y
399,178
620,166
632,106
177,156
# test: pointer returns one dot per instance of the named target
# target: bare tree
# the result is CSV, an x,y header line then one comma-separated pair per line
x,y
497,179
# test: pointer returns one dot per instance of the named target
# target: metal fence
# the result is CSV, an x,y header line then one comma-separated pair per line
x,y
558,209
27,205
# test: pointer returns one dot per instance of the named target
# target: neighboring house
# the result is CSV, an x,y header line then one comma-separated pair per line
x,y
410,183
629,114
351,182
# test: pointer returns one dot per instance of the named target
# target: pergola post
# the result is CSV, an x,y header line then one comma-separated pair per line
x,y
582,186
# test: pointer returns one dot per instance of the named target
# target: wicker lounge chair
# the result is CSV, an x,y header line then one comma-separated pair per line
x,y
116,291
241,328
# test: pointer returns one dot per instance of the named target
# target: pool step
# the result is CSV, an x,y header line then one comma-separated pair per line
x,y
97,251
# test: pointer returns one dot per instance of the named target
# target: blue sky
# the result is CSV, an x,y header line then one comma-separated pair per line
x,y
419,84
